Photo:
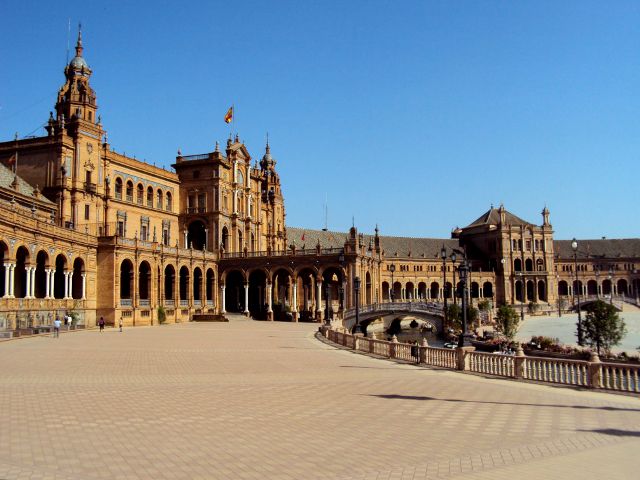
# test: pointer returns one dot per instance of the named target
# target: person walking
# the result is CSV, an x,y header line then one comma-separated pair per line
x,y
56,327
101,324
120,324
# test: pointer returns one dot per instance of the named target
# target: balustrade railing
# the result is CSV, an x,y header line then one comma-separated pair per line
x,y
579,373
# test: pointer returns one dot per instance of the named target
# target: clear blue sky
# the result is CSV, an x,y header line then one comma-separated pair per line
x,y
413,115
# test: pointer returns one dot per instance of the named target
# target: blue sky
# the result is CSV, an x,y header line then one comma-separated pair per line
x,y
416,116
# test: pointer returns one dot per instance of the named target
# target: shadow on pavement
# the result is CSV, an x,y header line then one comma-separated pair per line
x,y
579,407
614,432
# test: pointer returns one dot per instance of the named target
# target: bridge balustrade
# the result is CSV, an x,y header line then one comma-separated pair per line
x,y
591,374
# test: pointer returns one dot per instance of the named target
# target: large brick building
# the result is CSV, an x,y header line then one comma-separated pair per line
x,y
91,230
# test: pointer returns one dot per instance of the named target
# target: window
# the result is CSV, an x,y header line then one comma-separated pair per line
x,y
169,206
121,225
166,232
140,194
144,229
118,189
86,211
159,200
129,191
150,197
528,244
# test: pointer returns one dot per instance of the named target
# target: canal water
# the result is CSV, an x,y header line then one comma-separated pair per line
x,y
564,328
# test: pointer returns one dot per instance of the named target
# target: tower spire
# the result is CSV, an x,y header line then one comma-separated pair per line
x,y
79,42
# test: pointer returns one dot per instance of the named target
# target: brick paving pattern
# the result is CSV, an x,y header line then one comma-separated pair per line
x,y
259,400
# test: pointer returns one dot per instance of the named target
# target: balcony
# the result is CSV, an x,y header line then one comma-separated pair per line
x,y
126,302
194,210
89,187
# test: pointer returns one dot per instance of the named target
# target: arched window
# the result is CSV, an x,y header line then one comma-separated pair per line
x,y
150,197
169,206
129,191
119,188
159,199
140,194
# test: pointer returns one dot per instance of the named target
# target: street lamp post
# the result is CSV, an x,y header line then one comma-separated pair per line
x,y
356,288
453,261
443,255
522,296
574,246
463,339
392,268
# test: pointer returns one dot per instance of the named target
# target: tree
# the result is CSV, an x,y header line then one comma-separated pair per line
x,y
484,305
603,327
162,315
507,320
453,316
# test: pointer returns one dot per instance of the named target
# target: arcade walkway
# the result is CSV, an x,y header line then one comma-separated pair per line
x,y
259,400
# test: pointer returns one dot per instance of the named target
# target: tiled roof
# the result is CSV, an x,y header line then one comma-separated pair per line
x,y
492,217
23,188
604,248
402,246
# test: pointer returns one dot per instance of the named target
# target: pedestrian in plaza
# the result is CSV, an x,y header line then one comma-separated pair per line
x,y
415,351
101,324
56,327
120,324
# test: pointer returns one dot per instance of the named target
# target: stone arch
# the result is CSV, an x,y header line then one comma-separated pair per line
x,y
563,288
77,284
422,291
306,291
144,281
434,290
184,285
197,285
623,287
59,276
126,279
487,290
592,287
234,290
257,293
448,291
197,235
517,265
42,264
519,291
606,287
475,290
368,293
332,284
20,272
540,265
409,291
528,265
169,282
530,291
396,292
209,285
4,257
542,291
385,290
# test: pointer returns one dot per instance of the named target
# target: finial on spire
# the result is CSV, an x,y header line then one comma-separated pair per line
x,y
217,147
237,138
79,42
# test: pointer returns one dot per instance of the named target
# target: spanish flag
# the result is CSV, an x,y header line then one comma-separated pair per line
x,y
229,116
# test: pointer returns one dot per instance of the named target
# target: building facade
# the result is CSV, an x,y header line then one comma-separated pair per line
x,y
90,230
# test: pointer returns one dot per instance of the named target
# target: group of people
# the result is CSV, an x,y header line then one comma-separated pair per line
x,y
68,320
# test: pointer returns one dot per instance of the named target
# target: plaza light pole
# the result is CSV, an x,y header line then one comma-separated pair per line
x,y
455,287
574,246
522,296
356,288
392,268
463,339
443,255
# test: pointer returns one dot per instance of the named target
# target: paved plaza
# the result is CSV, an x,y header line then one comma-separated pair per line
x,y
259,400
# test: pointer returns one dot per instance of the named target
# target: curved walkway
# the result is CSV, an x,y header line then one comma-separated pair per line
x,y
259,400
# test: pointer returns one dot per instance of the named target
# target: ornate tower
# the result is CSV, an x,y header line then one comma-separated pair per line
x,y
273,213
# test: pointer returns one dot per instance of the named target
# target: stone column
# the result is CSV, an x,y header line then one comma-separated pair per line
x,y
294,300
67,284
27,293
269,303
7,281
47,284
223,300
33,282
84,286
246,299
318,298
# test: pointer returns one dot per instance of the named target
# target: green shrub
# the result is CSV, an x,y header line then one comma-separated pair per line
x,y
162,315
